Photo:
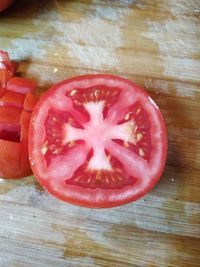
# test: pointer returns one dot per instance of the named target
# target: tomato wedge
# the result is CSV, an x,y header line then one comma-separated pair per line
x,y
97,141
16,104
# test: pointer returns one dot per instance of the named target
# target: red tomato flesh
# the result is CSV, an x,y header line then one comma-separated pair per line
x,y
97,141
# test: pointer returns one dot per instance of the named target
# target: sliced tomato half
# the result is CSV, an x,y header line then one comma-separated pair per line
x,y
97,141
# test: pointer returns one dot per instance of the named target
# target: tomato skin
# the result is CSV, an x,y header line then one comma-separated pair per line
x,y
5,4
16,104
30,101
86,197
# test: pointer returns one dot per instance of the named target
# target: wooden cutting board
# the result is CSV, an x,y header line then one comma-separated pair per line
x,y
156,44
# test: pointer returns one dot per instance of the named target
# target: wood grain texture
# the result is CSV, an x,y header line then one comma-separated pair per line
x,y
155,44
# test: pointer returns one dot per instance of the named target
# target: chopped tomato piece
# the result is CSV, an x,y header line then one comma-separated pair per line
x,y
9,159
12,99
30,101
16,105
10,114
7,68
21,85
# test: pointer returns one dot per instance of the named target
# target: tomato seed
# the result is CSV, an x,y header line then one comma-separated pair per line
x,y
114,93
72,144
89,179
97,93
120,178
107,93
113,179
44,150
138,111
73,92
107,181
127,116
141,152
136,128
139,137
126,144
55,119
58,150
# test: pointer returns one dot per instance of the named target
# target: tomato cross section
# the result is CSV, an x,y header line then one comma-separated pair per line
x,y
98,141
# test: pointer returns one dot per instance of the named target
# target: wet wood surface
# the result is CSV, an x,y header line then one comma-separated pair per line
x,y
156,45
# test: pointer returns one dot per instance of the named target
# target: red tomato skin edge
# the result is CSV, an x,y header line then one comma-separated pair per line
x,y
105,204
5,4
21,175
